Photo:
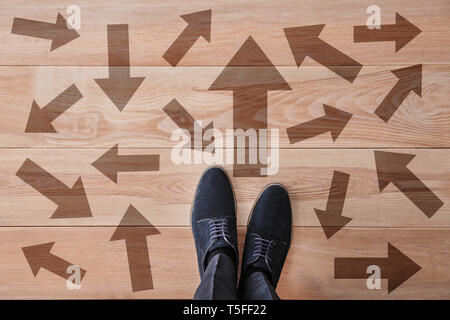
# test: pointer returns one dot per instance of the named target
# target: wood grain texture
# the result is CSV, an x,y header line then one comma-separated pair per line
x,y
308,272
165,196
154,25
95,122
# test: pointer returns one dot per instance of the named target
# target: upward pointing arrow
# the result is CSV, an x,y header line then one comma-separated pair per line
x,y
250,75
305,41
199,25
119,87
58,32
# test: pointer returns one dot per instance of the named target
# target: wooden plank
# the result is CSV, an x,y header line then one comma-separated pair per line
x,y
154,25
95,122
165,196
308,272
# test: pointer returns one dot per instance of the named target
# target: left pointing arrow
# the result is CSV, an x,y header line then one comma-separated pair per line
x,y
111,163
72,202
119,87
39,256
134,229
58,32
40,119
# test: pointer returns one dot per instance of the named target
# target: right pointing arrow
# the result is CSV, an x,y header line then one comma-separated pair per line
x,y
119,87
410,79
332,219
39,256
40,119
334,121
392,168
397,267
305,41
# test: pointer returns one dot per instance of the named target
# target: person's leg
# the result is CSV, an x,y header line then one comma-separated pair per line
x,y
213,220
266,245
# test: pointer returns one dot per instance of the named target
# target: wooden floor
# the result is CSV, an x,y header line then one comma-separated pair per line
x,y
420,127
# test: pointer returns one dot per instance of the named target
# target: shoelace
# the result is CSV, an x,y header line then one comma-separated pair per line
x,y
218,229
263,249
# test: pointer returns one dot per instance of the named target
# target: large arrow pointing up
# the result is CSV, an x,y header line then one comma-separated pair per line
x,y
402,32
392,167
332,219
199,25
334,121
134,229
410,79
72,202
39,256
250,75
304,41
40,120
111,163
397,267
58,32
119,87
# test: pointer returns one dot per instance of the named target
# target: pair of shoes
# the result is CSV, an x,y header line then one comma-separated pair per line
x,y
213,219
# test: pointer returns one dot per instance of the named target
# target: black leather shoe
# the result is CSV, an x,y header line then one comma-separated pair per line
x,y
268,234
213,217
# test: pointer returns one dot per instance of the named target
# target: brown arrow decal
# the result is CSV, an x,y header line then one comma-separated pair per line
x,y
410,79
250,75
58,32
119,87
332,219
392,167
39,256
397,267
334,121
72,202
402,32
40,120
199,25
185,121
305,41
134,229
111,163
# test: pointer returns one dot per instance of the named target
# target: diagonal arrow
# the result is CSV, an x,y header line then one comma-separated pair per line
x,y
402,32
58,32
305,41
134,229
199,25
397,267
334,121
119,87
39,256
185,121
332,219
410,79
250,75
392,168
110,163
72,202
40,119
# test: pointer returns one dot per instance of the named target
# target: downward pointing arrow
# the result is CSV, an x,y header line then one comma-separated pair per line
x,y
410,79
391,168
332,219
199,25
40,120
119,87
111,163
134,229
72,202
39,256
304,41
334,121
402,32
58,32
397,267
